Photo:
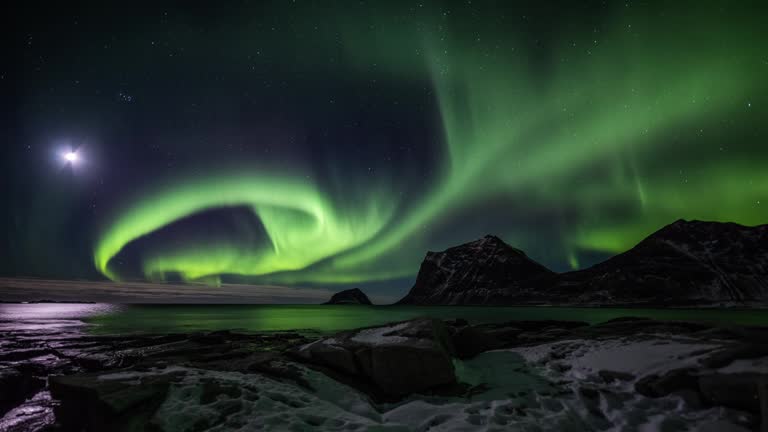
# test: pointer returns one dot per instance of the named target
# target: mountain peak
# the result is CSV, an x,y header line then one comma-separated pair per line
x,y
696,231
686,263
472,273
488,242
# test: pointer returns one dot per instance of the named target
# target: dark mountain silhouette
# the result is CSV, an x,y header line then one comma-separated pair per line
x,y
480,272
686,263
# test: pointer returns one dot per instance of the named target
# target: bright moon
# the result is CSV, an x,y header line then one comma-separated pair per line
x,y
70,157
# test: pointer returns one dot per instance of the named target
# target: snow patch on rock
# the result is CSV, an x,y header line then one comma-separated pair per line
x,y
381,335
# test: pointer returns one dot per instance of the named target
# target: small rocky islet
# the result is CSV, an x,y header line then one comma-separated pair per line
x,y
353,296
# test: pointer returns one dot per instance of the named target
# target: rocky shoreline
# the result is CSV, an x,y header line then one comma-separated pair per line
x,y
509,373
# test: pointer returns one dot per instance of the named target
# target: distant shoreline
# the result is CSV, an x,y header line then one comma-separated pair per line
x,y
713,307
47,301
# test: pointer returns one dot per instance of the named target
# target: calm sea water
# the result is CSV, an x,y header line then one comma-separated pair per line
x,y
115,319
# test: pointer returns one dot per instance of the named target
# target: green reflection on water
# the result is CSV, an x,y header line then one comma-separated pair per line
x,y
327,318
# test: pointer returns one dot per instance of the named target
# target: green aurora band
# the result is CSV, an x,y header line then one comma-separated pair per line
x,y
293,213
628,118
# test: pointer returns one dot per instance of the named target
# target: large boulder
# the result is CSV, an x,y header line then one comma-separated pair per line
x,y
352,296
123,402
470,340
396,359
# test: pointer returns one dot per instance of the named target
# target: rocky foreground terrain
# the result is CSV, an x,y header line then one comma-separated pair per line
x,y
423,374
685,264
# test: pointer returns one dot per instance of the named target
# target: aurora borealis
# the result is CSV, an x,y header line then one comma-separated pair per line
x,y
318,144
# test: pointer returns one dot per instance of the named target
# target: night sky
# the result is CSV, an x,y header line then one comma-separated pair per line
x,y
331,144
